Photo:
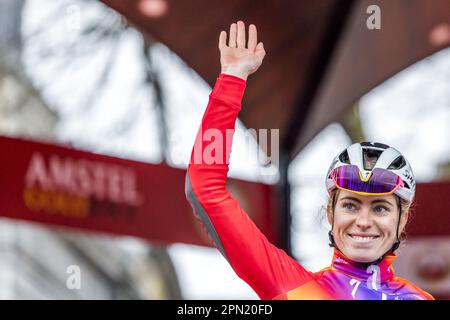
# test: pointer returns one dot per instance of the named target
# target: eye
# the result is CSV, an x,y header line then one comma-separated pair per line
x,y
381,209
348,206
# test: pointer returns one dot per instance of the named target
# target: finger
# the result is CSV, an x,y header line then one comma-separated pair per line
x,y
233,33
252,37
240,34
222,40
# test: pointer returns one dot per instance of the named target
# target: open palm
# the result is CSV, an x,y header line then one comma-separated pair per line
x,y
237,58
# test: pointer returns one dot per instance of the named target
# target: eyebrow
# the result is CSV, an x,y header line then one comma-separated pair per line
x,y
374,201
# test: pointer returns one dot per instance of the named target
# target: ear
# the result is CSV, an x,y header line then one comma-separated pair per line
x,y
403,220
330,215
330,212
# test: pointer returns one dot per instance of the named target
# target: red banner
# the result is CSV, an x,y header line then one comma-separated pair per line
x,y
66,187
431,210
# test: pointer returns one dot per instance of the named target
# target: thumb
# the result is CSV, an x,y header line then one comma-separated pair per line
x,y
259,47
259,50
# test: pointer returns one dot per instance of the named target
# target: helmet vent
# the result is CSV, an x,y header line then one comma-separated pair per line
x,y
397,164
343,157
374,145
370,157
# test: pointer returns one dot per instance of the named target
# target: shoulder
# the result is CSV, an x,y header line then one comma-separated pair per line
x,y
414,289
324,273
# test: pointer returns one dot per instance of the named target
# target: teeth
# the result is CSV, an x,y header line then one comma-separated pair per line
x,y
359,238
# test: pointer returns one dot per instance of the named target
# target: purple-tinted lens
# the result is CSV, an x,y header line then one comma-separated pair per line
x,y
381,180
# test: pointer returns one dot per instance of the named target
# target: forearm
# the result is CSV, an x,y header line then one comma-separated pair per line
x,y
209,160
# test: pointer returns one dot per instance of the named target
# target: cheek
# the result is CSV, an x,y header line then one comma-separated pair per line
x,y
342,220
387,224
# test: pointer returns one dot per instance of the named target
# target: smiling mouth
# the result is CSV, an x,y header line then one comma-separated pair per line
x,y
362,238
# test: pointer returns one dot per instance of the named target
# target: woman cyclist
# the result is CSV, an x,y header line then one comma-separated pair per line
x,y
370,186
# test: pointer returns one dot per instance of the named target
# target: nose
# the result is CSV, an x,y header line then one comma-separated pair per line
x,y
363,220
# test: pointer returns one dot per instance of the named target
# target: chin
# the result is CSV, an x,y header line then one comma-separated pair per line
x,y
363,259
363,252
362,256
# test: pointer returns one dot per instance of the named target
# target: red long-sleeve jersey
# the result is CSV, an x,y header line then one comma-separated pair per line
x,y
267,269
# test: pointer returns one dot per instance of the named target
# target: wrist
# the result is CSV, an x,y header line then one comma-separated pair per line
x,y
236,73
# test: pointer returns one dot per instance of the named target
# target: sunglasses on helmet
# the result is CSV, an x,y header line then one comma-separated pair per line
x,y
378,182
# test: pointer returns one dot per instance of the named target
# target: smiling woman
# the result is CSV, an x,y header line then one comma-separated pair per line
x,y
366,228
371,187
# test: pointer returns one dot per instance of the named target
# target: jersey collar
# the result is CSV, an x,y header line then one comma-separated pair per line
x,y
383,270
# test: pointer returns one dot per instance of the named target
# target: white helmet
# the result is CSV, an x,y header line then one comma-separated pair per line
x,y
370,155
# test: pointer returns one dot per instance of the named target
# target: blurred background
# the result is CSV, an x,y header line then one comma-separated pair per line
x,y
100,102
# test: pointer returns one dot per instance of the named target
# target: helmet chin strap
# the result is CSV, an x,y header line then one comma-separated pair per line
x,y
394,247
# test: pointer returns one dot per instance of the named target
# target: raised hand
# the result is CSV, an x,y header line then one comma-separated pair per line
x,y
236,58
